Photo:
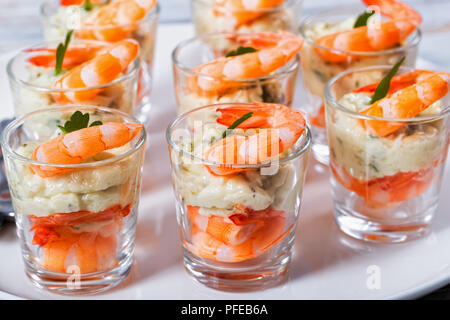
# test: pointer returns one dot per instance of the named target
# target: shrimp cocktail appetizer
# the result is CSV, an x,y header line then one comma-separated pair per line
x,y
335,41
105,20
238,182
388,138
76,72
75,190
221,68
212,16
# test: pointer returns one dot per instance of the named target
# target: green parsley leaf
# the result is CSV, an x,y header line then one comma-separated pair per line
x,y
87,5
236,123
61,51
239,51
383,87
361,21
78,121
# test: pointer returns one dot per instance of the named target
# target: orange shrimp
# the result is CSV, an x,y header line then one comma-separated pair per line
x,y
66,3
106,66
73,56
278,129
276,50
404,20
244,11
205,245
230,231
406,103
116,20
89,251
77,146
385,190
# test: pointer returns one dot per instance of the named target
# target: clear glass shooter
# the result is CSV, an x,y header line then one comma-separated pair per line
x,y
385,189
278,87
237,230
209,20
57,20
317,72
31,85
76,229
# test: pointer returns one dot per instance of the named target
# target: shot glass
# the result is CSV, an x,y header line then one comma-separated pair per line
x,y
209,19
32,90
385,188
236,230
76,229
278,87
57,20
317,72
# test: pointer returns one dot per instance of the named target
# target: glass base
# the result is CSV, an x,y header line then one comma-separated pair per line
x,y
320,145
360,228
84,284
224,277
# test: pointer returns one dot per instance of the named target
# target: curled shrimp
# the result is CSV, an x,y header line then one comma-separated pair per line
x,y
116,20
106,66
244,11
77,146
66,3
373,37
275,51
406,103
270,232
73,56
278,128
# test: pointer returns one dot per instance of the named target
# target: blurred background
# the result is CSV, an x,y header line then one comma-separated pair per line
x,y
20,25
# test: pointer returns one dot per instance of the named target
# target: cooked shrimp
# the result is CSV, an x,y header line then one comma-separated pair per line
x,y
404,20
77,2
106,66
278,129
244,11
231,232
77,146
382,192
116,20
277,49
205,245
406,103
74,56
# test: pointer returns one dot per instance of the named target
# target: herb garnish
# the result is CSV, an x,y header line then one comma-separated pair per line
x,y
239,51
236,123
383,87
87,5
78,121
61,51
361,21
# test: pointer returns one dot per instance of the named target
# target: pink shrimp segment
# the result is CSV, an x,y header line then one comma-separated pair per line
x,y
242,236
106,66
275,51
406,103
385,35
244,11
116,20
277,128
77,146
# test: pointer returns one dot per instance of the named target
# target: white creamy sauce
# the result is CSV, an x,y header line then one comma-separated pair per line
x,y
367,157
91,190
218,195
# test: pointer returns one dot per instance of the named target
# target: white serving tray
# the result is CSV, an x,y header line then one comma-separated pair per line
x,y
326,264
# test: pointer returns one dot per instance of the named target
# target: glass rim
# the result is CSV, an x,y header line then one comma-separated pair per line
x,y
150,15
414,42
8,151
329,98
16,58
176,61
286,4
292,155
